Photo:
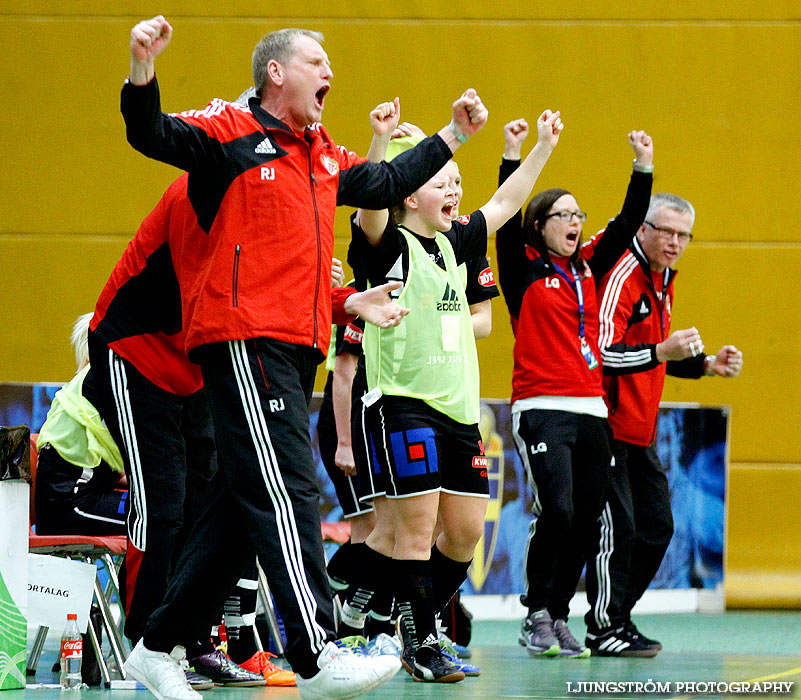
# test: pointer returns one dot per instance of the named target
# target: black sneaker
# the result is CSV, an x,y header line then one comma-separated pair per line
x,y
222,671
631,628
618,643
431,666
406,644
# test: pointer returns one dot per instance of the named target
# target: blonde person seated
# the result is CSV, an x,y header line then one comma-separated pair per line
x,y
80,484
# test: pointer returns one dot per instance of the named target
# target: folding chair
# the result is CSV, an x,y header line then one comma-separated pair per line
x,y
91,550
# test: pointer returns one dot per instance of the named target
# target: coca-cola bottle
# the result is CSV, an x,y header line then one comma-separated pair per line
x,y
71,654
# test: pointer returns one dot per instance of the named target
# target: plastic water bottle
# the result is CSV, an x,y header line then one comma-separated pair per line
x,y
71,654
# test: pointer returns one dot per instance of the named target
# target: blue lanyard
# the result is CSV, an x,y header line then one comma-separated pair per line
x,y
575,285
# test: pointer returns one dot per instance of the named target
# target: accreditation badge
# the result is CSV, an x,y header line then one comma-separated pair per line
x,y
588,354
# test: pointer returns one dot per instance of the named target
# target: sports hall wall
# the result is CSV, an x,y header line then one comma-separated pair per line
x,y
715,83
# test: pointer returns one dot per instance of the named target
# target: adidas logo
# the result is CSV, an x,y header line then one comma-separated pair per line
x,y
450,300
643,308
265,147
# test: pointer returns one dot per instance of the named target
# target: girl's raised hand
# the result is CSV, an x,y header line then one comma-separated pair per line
x,y
549,128
469,113
385,117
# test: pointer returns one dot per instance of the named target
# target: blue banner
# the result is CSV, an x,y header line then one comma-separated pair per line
x,y
692,447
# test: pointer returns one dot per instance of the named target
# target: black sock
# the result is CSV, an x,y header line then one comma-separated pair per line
x,y
379,619
413,593
446,576
240,616
374,575
343,565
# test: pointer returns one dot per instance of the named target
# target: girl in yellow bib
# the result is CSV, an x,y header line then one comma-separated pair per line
x,y
423,403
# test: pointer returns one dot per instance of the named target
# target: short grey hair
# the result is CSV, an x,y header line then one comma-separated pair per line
x,y
671,201
80,340
277,46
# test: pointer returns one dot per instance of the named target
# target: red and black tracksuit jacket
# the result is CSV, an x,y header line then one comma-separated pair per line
x,y
544,307
264,197
635,314
138,314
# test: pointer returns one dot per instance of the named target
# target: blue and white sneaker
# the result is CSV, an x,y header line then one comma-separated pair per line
x,y
448,649
355,644
384,645
461,651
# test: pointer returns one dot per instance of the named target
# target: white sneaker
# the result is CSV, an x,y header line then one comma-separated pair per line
x,y
160,673
384,645
344,674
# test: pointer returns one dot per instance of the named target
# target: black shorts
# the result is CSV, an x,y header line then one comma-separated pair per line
x,y
416,450
353,492
369,486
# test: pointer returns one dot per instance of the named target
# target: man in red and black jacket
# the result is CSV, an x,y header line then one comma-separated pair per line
x,y
264,182
150,396
638,350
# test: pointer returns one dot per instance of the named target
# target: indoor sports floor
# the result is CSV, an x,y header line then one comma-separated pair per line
x,y
727,647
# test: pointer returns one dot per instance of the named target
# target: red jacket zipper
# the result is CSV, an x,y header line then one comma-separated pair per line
x,y
312,183
235,284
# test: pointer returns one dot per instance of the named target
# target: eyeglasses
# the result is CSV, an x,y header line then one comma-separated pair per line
x,y
668,233
566,216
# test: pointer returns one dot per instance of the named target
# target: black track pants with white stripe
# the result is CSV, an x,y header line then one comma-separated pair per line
x,y
634,532
167,445
566,456
264,500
